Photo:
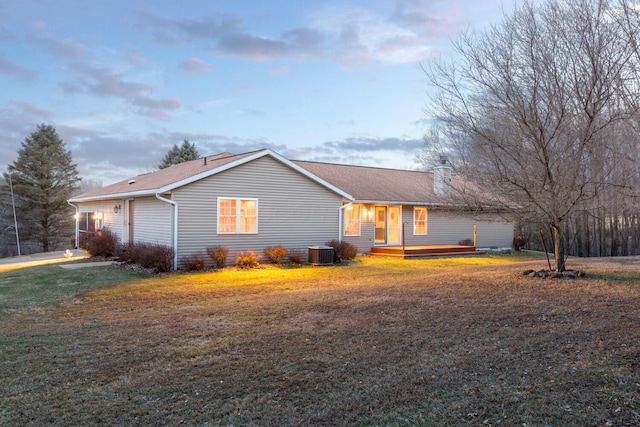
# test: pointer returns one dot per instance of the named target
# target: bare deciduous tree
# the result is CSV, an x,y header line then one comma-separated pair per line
x,y
538,106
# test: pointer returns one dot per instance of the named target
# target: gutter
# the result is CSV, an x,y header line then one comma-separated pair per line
x,y
340,219
76,216
175,228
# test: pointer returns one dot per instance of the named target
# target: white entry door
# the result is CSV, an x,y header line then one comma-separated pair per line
x,y
387,225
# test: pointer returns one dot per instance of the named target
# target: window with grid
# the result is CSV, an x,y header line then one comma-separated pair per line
x,y
237,216
352,220
419,220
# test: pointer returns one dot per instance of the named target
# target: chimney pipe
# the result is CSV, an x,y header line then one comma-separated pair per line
x,y
205,160
442,177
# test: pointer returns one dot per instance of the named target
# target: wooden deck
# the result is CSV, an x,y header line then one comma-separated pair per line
x,y
424,251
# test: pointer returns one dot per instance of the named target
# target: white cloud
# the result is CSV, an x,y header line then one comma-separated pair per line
x,y
362,35
196,66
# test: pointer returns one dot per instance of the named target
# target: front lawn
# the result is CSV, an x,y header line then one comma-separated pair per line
x,y
460,341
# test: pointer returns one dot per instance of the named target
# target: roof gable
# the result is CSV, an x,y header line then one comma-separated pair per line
x,y
176,176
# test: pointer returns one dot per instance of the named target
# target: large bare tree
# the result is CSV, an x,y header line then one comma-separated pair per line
x,y
537,108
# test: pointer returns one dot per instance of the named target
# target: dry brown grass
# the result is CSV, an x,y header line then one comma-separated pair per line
x,y
378,342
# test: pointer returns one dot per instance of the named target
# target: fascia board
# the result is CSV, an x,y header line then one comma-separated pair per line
x,y
114,196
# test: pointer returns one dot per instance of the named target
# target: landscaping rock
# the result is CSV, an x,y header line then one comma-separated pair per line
x,y
547,274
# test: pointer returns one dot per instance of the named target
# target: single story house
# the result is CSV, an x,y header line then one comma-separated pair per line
x,y
259,199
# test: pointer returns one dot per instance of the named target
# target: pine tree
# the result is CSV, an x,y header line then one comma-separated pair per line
x,y
178,154
44,177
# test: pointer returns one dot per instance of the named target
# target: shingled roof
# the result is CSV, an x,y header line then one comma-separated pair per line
x,y
358,183
184,173
154,182
377,184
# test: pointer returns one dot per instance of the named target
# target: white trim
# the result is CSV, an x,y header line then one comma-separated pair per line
x,y
127,195
76,216
175,228
341,220
238,200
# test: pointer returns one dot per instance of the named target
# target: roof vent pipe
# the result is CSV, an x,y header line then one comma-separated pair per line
x,y
205,160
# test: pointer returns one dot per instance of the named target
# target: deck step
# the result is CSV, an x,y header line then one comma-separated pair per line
x,y
424,251
427,255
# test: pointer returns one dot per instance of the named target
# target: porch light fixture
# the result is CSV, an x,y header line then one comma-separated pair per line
x,y
116,209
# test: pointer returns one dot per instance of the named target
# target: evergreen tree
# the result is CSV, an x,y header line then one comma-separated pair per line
x,y
44,177
178,154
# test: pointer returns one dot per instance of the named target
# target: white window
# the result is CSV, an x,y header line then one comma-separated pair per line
x,y
419,220
89,222
352,220
237,216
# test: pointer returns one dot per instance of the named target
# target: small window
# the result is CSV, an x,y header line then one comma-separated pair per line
x,y
237,216
89,222
419,220
352,220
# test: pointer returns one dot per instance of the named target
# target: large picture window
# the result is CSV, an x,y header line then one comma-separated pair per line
x,y
352,220
419,220
237,216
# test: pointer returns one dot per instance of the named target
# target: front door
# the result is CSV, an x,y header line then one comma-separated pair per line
x,y
387,225
393,226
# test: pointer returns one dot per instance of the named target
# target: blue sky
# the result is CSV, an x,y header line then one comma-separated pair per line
x,y
123,81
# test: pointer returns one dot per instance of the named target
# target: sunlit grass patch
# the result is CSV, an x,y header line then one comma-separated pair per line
x,y
40,286
379,341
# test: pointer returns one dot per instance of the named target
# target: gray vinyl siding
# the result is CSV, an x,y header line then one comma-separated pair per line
x,y
450,228
293,211
495,234
152,221
443,228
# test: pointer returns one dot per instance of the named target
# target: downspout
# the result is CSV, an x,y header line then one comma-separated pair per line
x,y
340,219
77,215
175,228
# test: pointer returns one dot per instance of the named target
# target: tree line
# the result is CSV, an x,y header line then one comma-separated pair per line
x,y
34,213
544,110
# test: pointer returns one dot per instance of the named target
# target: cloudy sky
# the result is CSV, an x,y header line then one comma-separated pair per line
x,y
123,81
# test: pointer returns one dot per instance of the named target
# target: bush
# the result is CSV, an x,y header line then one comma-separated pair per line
x,y
296,258
519,242
343,251
148,255
247,259
275,254
466,242
219,255
100,243
194,262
